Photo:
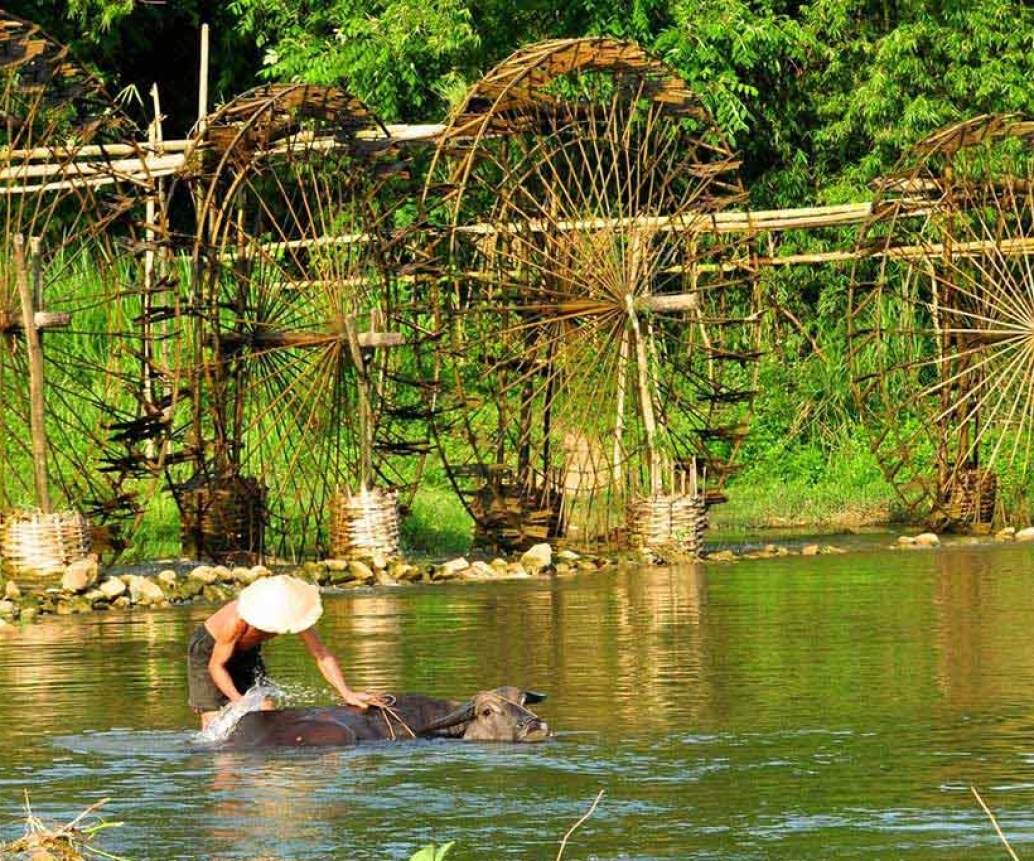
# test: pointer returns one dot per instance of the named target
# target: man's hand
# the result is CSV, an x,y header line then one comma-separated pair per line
x,y
361,700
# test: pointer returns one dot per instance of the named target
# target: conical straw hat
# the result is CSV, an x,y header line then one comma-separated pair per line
x,y
280,605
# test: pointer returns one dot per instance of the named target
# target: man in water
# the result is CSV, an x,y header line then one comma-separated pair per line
x,y
224,656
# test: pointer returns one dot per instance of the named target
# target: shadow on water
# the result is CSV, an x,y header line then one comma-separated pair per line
x,y
791,708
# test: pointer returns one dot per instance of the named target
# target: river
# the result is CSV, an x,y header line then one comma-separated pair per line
x,y
795,708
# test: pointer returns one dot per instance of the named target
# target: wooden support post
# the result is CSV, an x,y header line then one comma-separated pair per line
x,y
34,348
150,209
619,410
202,83
646,400
202,114
365,414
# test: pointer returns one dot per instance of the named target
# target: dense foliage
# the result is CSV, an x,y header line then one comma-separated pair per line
x,y
820,98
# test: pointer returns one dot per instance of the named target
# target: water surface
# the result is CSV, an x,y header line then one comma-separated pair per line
x,y
837,706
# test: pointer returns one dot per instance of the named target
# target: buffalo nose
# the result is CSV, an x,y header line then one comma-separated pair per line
x,y
540,729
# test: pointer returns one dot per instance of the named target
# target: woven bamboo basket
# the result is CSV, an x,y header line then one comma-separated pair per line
x,y
668,521
972,497
364,524
224,519
40,545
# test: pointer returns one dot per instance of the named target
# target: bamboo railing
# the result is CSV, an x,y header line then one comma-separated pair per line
x,y
144,163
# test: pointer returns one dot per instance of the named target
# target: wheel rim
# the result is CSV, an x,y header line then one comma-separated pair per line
x,y
941,333
302,318
66,199
601,334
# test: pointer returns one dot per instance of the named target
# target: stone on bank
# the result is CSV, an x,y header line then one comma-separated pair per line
x,y
537,558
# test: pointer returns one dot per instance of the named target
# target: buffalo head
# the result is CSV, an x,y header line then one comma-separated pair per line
x,y
498,715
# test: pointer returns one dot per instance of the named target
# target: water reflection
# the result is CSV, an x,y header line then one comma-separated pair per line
x,y
783,708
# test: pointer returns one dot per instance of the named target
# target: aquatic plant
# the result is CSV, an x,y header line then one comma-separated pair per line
x,y
73,841
432,852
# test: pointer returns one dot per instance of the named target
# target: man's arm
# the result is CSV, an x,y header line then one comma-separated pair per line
x,y
331,671
221,653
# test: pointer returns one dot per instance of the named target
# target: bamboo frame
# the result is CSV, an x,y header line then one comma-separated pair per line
x,y
37,409
294,337
939,323
81,408
557,295
262,126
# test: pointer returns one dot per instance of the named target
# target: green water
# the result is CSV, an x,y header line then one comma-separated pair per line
x,y
801,708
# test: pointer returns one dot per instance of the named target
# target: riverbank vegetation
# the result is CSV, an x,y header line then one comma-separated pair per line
x,y
819,98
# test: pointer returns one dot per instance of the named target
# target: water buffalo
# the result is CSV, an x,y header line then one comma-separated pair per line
x,y
497,715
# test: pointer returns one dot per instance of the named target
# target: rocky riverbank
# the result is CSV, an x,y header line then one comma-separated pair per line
x,y
85,588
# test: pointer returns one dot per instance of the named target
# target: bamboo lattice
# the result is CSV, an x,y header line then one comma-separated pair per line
x,y
36,544
224,519
941,343
73,420
598,323
304,334
364,524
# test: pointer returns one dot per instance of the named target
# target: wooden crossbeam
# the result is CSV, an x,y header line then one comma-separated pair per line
x,y
41,320
274,339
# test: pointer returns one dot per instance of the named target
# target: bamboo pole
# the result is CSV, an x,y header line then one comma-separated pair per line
x,y
41,319
150,209
141,179
202,116
729,222
140,167
202,83
272,339
732,221
934,250
35,249
37,415
106,151
397,133
366,430
645,400
619,407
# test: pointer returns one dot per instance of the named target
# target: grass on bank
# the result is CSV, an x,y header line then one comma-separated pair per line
x,y
799,485
437,525
808,486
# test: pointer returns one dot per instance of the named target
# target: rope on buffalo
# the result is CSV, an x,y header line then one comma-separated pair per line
x,y
387,712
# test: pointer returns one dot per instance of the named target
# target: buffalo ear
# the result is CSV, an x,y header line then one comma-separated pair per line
x,y
531,697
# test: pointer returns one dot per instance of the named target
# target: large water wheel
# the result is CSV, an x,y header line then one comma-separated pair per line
x,y
599,329
77,428
302,418
941,331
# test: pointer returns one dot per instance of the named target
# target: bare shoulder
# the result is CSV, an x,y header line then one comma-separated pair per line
x,y
225,624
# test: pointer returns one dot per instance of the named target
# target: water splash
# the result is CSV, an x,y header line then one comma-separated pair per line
x,y
223,724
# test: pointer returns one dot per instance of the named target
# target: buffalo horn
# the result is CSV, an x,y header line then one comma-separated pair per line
x,y
461,715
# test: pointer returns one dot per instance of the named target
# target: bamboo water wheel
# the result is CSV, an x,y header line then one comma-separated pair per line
x,y
304,340
599,335
76,429
940,324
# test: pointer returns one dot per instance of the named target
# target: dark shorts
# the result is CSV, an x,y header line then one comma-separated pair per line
x,y
245,668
